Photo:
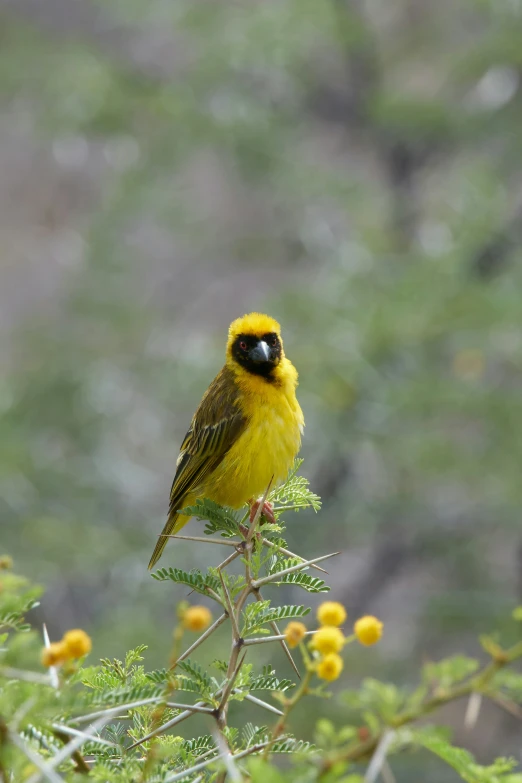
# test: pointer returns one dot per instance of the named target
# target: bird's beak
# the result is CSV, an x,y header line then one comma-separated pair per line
x,y
261,353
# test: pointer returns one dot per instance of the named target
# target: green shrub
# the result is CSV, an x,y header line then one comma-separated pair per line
x,y
115,722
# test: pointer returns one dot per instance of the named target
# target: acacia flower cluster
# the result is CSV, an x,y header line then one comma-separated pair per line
x,y
294,633
196,618
6,562
328,641
74,644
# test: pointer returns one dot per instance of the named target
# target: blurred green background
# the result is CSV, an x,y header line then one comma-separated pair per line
x,y
352,168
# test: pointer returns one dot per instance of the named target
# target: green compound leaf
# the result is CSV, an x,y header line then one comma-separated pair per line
x,y
219,519
294,493
450,670
269,682
291,745
309,583
199,745
459,759
259,614
201,583
197,674
198,681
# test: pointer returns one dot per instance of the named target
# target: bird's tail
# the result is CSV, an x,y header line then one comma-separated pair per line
x,y
173,524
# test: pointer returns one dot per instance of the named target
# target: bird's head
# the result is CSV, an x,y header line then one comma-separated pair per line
x,y
254,343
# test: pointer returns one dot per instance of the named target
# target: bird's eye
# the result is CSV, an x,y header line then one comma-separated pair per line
x,y
273,341
243,345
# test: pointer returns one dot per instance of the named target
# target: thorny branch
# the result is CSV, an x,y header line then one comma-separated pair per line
x,y
233,609
478,683
215,704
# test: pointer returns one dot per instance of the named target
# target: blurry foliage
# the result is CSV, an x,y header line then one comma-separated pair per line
x,y
118,722
353,168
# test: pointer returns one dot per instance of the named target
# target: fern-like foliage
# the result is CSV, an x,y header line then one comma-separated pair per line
x,y
117,696
258,614
201,583
136,705
437,742
194,680
161,676
269,682
219,520
449,671
292,745
294,494
252,735
309,583
14,607
199,745
198,675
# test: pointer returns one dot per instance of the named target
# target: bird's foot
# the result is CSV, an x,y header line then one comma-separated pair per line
x,y
267,511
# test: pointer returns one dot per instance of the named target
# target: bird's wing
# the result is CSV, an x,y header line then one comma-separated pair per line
x,y
216,425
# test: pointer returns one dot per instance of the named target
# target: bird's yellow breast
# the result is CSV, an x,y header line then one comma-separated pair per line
x,y
269,443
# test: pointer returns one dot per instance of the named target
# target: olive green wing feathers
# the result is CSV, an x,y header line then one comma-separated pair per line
x,y
215,427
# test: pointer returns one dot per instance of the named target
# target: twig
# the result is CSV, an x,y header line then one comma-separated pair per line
x,y
204,540
70,748
86,737
478,682
289,704
197,767
178,719
262,703
228,560
53,672
267,542
26,676
229,686
257,583
472,710
284,645
229,606
275,628
386,773
113,710
192,707
264,639
21,712
44,767
234,612
379,757
227,758
210,630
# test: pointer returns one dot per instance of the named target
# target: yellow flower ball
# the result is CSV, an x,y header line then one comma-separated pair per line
x,y
6,562
77,643
294,633
368,630
197,618
330,667
328,640
331,613
54,655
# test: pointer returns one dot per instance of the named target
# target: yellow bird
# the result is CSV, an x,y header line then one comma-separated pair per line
x,y
246,431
